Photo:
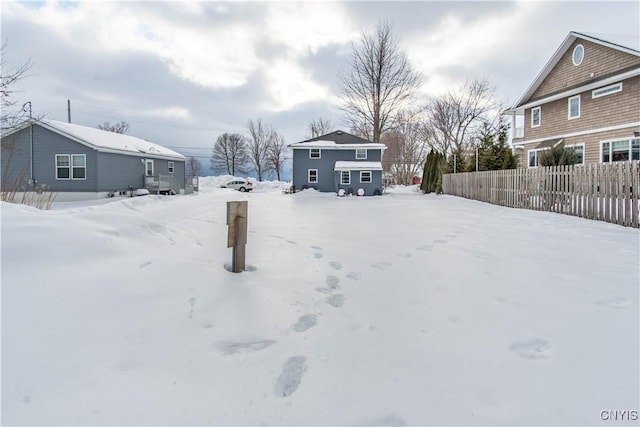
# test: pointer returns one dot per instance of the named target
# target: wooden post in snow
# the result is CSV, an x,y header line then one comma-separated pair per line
x,y
237,235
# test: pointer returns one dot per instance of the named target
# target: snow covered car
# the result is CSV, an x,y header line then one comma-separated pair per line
x,y
239,184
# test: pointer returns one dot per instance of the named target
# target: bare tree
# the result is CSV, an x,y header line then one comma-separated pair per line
x,y
319,127
194,166
122,127
379,84
276,154
260,137
454,120
8,77
230,154
406,151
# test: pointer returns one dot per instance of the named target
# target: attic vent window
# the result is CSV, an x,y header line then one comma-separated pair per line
x,y
578,54
339,132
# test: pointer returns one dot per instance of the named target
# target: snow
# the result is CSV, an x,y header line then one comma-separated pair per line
x,y
404,309
346,165
102,139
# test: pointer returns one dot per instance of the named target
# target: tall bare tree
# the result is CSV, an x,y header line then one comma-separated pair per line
x,y
276,154
8,77
260,137
319,127
454,120
230,154
194,166
406,151
378,85
122,127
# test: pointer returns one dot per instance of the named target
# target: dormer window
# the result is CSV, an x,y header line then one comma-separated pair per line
x,y
314,153
361,153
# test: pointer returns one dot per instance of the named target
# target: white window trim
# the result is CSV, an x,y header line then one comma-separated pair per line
x,y
309,176
348,178
611,141
148,162
581,144
370,177
569,116
573,54
533,125
615,88
68,156
70,168
535,150
170,167
84,156
360,157
319,153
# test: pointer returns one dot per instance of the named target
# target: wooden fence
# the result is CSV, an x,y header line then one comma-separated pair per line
x,y
605,191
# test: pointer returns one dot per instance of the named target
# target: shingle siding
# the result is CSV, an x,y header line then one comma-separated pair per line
x,y
598,59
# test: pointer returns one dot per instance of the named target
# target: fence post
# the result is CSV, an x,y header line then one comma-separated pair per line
x,y
237,213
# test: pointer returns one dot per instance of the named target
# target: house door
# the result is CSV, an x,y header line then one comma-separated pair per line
x,y
148,166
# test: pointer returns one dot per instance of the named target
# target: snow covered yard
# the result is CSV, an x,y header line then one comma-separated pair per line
x,y
396,310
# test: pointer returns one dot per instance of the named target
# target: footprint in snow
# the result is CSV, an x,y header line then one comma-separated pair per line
x,y
336,265
317,255
332,282
616,302
404,255
229,348
291,376
440,241
354,275
381,265
336,300
305,322
317,248
425,248
536,350
145,264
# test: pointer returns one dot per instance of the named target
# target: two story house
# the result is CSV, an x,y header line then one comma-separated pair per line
x,y
338,160
587,97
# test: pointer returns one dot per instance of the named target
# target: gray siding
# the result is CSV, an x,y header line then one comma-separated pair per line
x,y
369,188
104,171
46,144
328,179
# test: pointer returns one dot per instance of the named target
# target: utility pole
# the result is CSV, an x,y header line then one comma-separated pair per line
x,y
69,110
24,108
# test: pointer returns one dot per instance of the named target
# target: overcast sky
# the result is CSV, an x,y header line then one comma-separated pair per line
x,y
183,72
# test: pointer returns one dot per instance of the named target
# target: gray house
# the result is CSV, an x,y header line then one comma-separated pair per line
x,y
338,160
79,163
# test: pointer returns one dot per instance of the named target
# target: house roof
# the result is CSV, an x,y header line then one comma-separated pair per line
x,y
105,141
360,166
627,44
337,140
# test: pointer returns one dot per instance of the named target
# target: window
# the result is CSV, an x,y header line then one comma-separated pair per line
x,y
536,117
62,166
345,177
365,176
607,90
361,153
579,150
78,166
533,158
574,107
148,167
578,55
621,150
170,167
312,176
71,166
314,153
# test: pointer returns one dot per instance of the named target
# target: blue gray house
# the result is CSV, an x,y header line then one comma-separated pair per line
x,y
338,160
79,162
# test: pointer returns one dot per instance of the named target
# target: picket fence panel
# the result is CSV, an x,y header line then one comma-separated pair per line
x,y
604,191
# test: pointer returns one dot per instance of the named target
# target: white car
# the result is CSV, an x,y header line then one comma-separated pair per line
x,y
239,184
